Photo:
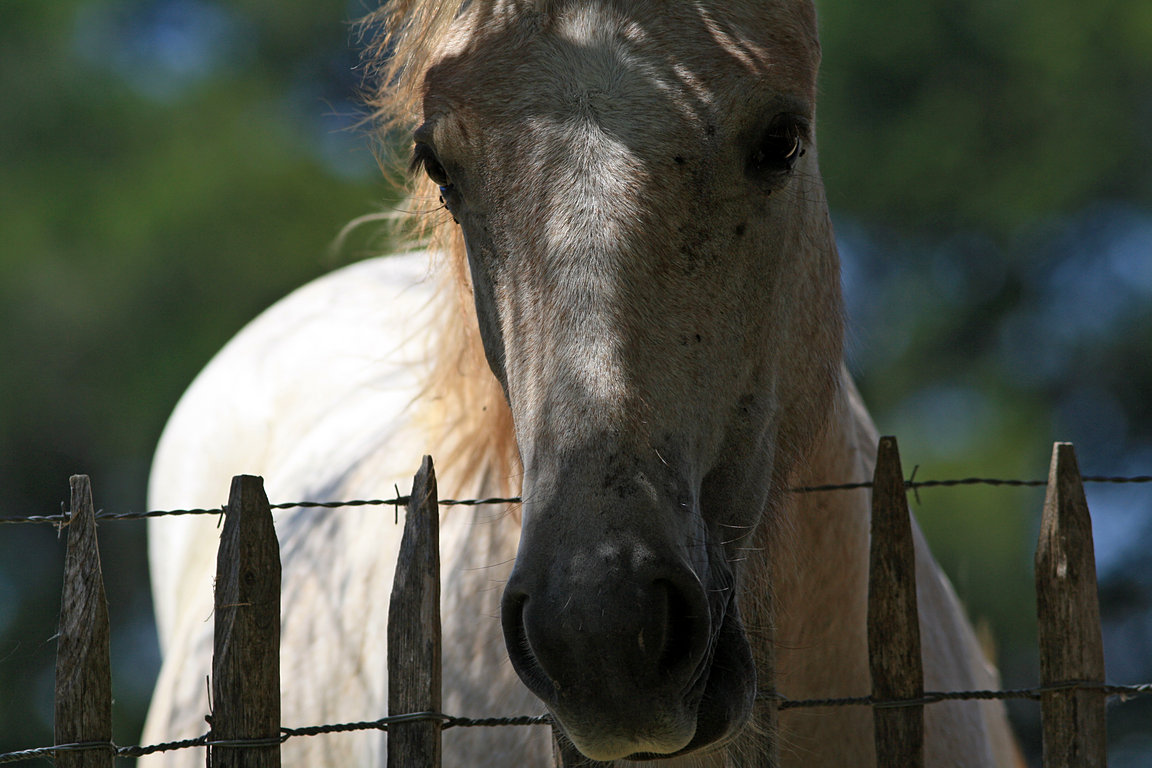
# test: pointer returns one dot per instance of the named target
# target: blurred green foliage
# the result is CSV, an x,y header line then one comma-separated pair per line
x,y
168,168
985,115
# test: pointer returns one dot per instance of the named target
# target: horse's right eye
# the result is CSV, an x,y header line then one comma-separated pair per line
x,y
777,150
423,156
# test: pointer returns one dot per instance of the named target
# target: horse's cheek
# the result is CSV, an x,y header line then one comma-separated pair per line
x,y
485,295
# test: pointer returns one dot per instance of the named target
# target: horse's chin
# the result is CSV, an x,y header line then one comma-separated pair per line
x,y
729,693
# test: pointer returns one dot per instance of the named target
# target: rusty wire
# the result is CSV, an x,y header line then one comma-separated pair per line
x,y
910,484
1121,692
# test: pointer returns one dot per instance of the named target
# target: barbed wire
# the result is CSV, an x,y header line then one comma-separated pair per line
x,y
381,724
910,484
1123,692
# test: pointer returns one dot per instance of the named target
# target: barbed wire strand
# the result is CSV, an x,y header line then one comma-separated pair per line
x,y
381,724
1123,692
911,485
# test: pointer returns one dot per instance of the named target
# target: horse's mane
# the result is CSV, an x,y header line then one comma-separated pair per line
x,y
465,406
405,36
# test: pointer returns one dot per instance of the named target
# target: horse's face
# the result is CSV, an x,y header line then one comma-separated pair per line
x,y
658,294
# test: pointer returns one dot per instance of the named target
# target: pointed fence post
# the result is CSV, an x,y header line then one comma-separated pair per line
x,y
1071,649
83,670
246,652
893,621
414,630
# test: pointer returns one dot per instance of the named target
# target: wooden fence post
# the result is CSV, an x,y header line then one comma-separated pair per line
x,y
83,670
893,620
246,652
414,630
1071,649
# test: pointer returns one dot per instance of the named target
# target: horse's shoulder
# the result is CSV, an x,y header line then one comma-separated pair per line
x,y
303,395
293,369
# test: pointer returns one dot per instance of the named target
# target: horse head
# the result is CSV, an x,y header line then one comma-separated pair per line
x,y
658,294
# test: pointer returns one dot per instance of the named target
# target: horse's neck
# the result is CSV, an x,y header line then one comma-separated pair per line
x,y
819,561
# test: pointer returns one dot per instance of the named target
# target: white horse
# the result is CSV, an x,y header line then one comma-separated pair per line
x,y
641,252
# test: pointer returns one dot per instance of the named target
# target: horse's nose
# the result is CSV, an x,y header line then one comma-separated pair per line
x,y
615,651
656,631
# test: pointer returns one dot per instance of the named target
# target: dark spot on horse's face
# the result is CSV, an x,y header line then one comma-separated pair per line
x,y
696,249
619,474
678,160
689,265
710,130
740,229
699,338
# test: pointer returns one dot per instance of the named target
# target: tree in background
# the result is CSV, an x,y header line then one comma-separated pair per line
x,y
168,168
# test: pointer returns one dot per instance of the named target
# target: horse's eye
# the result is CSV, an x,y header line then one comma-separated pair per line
x,y
424,157
777,150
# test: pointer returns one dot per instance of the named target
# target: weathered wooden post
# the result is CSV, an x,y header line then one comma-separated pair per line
x,y
414,630
83,670
246,652
1071,649
893,620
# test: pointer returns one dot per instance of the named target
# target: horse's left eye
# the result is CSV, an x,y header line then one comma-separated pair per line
x,y
777,150
423,156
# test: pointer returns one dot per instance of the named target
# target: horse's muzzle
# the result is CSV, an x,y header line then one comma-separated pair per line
x,y
635,655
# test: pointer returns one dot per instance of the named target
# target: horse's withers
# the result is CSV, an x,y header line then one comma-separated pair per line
x,y
658,294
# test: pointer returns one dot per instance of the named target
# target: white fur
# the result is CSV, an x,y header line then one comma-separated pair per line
x,y
315,395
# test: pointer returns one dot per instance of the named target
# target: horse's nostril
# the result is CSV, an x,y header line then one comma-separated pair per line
x,y
520,652
677,629
588,650
512,621
685,633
